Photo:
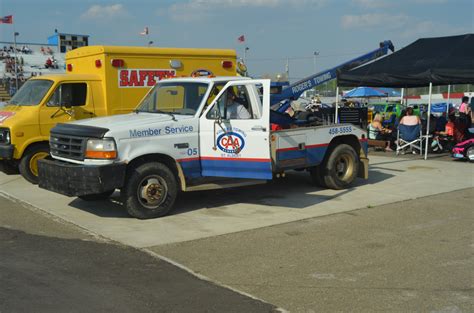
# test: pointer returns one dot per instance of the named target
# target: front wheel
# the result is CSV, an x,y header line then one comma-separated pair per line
x,y
29,162
150,191
341,167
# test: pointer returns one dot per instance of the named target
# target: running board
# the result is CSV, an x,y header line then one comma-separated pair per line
x,y
225,183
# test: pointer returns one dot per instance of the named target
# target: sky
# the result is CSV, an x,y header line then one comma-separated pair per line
x,y
313,35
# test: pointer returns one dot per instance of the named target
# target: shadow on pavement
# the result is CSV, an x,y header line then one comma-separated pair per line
x,y
295,191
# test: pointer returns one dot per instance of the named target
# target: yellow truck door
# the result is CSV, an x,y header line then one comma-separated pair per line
x,y
69,101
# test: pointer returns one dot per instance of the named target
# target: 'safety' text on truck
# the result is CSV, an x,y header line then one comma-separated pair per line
x,y
181,136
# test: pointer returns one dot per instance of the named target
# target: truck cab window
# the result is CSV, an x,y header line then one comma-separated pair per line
x,y
234,103
183,98
69,94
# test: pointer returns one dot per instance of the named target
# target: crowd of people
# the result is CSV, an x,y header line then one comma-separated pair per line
x,y
449,130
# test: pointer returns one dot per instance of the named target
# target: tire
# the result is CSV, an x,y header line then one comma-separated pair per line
x,y
97,196
469,152
317,177
150,191
29,162
340,169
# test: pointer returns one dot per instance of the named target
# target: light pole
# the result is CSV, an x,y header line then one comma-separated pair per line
x,y
315,54
16,60
245,54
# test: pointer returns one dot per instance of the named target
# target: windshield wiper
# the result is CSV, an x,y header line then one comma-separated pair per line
x,y
165,112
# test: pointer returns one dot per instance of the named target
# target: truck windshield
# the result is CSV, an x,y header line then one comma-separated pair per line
x,y
174,97
32,92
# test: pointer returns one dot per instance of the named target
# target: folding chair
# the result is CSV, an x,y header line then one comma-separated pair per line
x,y
409,136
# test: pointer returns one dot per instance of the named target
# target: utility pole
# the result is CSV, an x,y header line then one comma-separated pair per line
x,y
315,54
245,54
16,60
287,70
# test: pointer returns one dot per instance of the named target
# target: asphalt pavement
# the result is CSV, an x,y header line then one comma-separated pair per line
x,y
410,256
400,242
48,265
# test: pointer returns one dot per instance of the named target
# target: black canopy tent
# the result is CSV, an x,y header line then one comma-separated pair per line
x,y
439,61
426,62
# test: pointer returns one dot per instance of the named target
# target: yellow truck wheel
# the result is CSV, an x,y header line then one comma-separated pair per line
x,y
29,162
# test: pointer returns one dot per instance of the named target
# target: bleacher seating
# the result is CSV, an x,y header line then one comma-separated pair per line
x,y
34,62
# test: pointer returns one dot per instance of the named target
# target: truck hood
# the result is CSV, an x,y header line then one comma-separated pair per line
x,y
17,114
131,120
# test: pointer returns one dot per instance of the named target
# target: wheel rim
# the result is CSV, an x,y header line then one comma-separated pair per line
x,y
34,161
152,192
344,166
470,153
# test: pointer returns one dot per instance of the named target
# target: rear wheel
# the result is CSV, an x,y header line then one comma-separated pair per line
x,y
470,154
150,191
97,196
29,162
340,168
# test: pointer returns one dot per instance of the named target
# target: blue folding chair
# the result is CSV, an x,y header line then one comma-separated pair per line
x,y
409,136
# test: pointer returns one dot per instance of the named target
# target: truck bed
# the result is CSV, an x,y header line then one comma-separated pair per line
x,y
306,146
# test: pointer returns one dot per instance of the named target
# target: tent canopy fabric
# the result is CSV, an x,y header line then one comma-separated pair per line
x,y
440,61
366,92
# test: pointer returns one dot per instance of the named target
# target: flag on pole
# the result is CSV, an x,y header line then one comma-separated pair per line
x,y
241,39
6,19
145,31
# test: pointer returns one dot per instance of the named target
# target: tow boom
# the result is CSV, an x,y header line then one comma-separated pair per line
x,y
295,90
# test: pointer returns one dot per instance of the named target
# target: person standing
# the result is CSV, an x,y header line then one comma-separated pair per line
x,y
465,112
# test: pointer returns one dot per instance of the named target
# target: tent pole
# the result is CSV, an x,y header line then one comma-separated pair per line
x,y
337,104
428,121
402,94
447,102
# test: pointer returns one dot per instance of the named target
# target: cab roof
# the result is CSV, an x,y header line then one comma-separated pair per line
x,y
67,77
205,79
127,50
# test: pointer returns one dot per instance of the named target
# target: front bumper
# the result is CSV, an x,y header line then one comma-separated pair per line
x,y
79,180
6,151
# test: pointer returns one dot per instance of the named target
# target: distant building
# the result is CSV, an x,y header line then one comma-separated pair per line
x,y
67,42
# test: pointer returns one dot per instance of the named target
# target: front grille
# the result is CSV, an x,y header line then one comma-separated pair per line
x,y
66,146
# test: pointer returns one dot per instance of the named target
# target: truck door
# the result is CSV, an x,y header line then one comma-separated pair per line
x,y
234,132
69,101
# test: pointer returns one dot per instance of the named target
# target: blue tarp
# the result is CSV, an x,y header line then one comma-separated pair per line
x,y
364,92
440,107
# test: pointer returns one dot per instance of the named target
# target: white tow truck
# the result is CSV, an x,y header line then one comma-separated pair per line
x,y
180,138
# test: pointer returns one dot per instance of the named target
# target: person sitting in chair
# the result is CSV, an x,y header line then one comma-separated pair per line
x,y
409,119
378,132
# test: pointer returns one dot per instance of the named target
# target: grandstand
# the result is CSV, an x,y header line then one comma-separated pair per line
x,y
31,60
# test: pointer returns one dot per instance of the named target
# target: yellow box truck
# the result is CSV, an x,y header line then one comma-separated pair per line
x,y
99,80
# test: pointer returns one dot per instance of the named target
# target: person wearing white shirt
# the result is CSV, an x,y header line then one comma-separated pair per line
x,y
235,110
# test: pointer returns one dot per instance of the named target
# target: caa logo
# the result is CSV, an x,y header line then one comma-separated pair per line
x,y
231,142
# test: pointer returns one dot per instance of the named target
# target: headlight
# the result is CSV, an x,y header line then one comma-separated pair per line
x,y
101,149
5,136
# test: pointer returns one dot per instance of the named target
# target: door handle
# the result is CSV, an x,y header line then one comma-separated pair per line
x,y
259,128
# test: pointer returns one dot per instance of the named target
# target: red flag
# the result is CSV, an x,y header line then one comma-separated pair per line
x,y
241,39
6,19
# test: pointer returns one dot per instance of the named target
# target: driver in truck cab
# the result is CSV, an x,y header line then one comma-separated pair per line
x,y
235,110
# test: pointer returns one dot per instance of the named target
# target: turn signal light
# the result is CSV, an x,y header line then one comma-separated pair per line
x,y
101,154
69,67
